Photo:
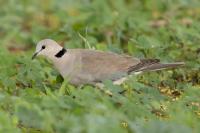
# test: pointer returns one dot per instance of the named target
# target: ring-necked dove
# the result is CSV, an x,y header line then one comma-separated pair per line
x,y
84,66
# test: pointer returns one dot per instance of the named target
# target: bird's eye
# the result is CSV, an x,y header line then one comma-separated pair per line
x,y
43,47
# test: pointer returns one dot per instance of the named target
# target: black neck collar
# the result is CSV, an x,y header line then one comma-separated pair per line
x,y
61,53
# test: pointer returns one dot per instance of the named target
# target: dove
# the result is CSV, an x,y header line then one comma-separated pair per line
x,y
85,66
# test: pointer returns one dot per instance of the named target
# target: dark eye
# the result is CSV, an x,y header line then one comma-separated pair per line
x,y
43,47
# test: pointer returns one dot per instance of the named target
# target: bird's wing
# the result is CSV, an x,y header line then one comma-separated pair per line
x,y
105,65
97,66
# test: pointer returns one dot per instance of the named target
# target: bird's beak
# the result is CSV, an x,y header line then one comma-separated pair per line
x,y
33,57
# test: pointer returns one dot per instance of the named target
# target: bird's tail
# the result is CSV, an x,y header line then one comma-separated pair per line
x,y
160,66
152,65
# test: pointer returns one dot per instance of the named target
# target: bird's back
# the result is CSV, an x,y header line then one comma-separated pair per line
x,y
96,66
84,66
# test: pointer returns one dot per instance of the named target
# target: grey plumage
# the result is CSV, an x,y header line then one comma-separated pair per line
x,y
153,65
83,66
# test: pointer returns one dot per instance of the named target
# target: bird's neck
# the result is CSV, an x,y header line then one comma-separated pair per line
x,y
56,54
66,63
60,53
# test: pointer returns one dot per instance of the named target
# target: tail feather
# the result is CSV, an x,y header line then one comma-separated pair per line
x,y
152,65
160,66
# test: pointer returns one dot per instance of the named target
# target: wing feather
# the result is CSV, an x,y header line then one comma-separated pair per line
x,y
106,65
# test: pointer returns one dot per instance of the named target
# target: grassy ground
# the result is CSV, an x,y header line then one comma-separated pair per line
x,y
31,99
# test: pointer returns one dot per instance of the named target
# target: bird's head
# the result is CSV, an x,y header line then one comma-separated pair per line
x,y
48,48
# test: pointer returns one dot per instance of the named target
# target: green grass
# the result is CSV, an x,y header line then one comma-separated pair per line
x,y
31,96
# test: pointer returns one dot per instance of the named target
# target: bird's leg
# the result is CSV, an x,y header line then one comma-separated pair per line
x,y
101,87
80,86
120,81
63,87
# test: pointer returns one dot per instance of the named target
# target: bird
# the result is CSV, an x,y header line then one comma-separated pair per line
x,y
86,66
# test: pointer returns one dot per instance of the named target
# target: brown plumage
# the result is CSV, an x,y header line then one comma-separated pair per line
x,y
83,66
152,65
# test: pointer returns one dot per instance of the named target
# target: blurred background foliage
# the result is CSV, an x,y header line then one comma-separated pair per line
x,y
31,99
